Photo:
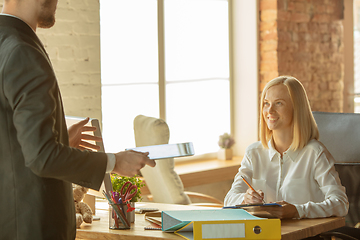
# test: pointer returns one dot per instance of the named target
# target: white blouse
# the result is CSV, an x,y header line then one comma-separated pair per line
x,y
305,178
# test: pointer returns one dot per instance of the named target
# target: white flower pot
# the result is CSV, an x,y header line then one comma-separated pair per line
x,y
225,154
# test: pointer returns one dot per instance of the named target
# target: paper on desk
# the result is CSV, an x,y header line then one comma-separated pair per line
x,y
153,217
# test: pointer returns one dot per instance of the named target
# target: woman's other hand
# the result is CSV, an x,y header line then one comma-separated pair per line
x,y
286,211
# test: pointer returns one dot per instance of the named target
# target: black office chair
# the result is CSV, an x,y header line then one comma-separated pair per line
x,y
340,133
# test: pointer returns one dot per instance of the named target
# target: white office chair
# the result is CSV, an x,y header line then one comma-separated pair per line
x,y
163,182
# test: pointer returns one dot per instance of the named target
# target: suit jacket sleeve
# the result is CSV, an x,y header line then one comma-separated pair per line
x,y
33,94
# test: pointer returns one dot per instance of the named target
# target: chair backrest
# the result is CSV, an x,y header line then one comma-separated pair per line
x,y
349,175
340,133
163,182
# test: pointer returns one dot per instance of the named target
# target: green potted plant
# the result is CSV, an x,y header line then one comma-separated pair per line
x,y
117,183
226,141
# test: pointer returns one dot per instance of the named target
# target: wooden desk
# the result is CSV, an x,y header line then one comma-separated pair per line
x,y
290,229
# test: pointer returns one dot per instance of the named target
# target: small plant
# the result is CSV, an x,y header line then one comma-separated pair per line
x,y
226,141
118,181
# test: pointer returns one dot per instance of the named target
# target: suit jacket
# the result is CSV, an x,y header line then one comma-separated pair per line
x,y
37,166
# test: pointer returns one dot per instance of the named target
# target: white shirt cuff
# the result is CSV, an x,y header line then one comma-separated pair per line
x,y
110,163
299,208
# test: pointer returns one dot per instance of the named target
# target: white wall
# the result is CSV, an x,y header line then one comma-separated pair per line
x,y
73,45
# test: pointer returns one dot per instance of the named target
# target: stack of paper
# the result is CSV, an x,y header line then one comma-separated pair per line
x,y
155,220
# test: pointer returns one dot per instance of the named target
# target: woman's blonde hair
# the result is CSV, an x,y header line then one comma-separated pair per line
x,y
304,125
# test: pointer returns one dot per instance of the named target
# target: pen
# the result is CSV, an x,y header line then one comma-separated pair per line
x,y
250,186
122,213
117,210
114,217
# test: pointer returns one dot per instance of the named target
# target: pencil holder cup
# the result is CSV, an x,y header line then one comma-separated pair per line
x,y
119,218
131,215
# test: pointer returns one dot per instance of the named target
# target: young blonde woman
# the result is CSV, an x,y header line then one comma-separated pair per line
x,y
289,165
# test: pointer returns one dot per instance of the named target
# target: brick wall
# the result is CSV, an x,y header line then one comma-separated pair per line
x,y
304,38
73,45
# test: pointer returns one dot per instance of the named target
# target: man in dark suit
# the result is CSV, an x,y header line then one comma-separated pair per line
x,y
37,165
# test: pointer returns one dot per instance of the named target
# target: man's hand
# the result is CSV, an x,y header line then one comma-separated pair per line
x,y
253,197
129,163
286,211
76,136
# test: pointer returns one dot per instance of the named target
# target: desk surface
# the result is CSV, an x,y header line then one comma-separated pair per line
x,y
290,229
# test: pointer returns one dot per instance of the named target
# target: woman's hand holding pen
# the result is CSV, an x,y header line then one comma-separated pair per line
x,y
252,196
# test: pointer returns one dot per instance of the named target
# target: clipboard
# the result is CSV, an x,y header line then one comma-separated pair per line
x,y
256,209
253,205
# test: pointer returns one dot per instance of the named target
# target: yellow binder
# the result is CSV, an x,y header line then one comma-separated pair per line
x,y
220,224
232,229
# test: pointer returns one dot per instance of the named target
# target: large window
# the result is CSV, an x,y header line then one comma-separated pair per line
x,y
168,59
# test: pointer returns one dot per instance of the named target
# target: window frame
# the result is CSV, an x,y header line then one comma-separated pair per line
x,y
244,75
